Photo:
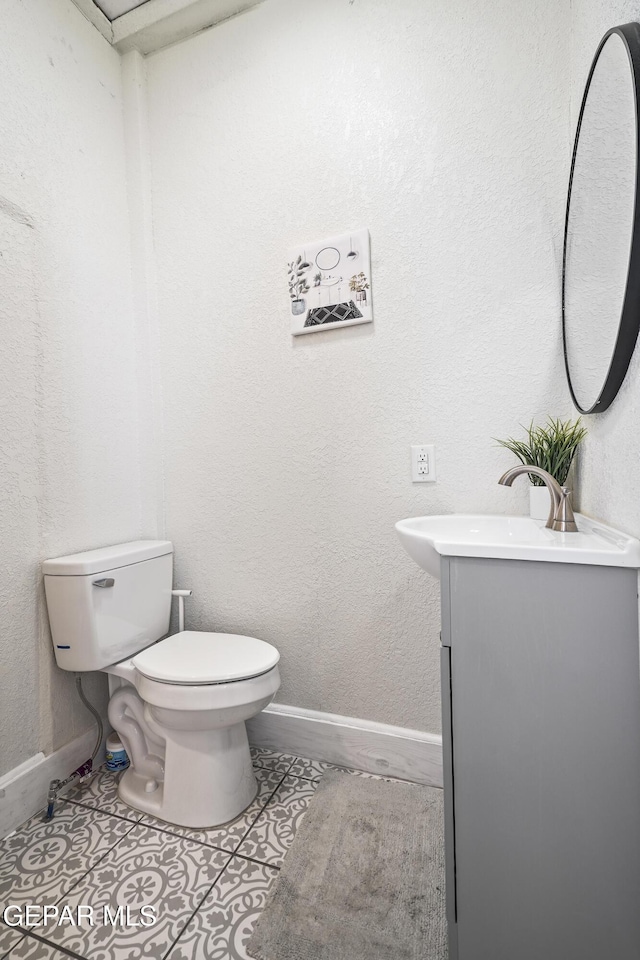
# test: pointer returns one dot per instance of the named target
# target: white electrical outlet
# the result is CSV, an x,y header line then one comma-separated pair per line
x,y
423,463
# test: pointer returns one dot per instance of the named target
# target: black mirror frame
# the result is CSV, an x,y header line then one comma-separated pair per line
x,y
629,325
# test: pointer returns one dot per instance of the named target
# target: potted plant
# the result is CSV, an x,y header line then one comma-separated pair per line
x,y
552,447
298,285
358,285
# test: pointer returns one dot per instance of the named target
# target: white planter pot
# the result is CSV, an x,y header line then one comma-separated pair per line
x,y
539,502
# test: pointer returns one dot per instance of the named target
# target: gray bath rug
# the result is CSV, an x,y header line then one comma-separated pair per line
x,y
364,878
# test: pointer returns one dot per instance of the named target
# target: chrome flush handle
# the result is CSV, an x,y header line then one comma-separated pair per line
x,y
105,582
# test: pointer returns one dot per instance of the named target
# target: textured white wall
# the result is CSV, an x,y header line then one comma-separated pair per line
x,y
609,463
69,473
443,127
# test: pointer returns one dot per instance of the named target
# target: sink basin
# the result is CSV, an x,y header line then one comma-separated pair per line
x,y
426,539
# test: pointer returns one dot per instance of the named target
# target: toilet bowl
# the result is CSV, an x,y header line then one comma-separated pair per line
x,y
179,703
181,716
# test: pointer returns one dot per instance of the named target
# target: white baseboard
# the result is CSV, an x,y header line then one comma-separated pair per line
x,y
23,791
346,741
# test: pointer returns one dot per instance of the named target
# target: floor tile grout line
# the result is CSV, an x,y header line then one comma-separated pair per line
x,y
200,902
26,932
105,813
259,813
94,865
3,956
272,769
260,863
180,836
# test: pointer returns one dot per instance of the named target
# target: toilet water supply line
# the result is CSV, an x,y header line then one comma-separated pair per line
x,y
85,768
181,594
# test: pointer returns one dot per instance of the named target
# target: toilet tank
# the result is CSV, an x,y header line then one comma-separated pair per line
x,y
108,604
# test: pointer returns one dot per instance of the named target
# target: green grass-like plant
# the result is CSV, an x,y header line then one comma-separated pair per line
x,y
551,447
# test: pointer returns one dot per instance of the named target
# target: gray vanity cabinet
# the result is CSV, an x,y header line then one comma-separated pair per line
x,y
541,709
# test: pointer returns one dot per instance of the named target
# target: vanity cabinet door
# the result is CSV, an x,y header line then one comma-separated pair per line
x,y
545,769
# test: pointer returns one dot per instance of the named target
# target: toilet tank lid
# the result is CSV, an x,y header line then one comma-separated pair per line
x,y
106,558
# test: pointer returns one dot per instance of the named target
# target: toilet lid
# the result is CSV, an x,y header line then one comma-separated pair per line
x,y
199,658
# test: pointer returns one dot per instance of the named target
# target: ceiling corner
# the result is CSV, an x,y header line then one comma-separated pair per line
x,y
95,16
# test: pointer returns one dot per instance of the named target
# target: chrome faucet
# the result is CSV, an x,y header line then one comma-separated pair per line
x,y
561,516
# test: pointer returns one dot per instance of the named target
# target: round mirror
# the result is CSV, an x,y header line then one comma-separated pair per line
x,y
328,258
601,264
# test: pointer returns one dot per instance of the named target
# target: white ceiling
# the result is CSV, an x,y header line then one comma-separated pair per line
x,y
115,8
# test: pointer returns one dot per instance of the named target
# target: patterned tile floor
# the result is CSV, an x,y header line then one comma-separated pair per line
x,y
207,886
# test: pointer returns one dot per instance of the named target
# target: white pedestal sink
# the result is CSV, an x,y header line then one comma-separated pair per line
x,y
426,539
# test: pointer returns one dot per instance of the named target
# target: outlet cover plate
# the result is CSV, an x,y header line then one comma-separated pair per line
x,y
423,463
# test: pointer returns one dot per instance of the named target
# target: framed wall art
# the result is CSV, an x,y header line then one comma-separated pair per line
x,y
330,283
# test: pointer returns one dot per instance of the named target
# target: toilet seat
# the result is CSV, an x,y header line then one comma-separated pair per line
x,y
194,658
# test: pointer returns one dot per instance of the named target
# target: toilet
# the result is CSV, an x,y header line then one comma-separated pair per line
x,y
178,704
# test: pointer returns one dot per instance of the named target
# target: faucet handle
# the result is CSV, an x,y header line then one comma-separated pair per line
x,y
564,520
